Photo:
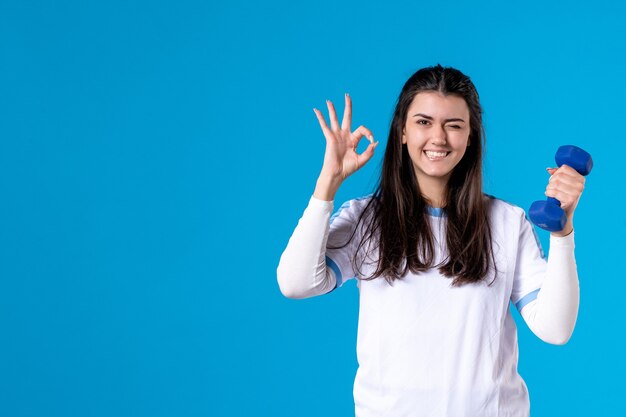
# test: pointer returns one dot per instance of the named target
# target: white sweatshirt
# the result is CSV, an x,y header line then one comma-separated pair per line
x,y
425,348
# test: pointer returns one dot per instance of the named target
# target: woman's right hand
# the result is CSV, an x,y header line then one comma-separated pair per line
x,y
341,158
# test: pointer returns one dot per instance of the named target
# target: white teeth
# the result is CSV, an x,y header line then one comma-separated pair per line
x,y
432,154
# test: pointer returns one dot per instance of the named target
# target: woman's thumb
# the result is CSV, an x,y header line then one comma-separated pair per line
x,y
368,153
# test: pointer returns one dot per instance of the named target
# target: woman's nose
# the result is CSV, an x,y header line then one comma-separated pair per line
x,y
439,136
441,140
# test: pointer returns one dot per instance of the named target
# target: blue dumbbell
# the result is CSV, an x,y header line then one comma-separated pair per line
x,y
548,214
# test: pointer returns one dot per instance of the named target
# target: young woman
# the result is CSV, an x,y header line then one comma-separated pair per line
x,y
437,261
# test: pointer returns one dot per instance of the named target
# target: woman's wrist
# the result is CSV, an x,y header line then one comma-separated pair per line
x,y
326,188
567,230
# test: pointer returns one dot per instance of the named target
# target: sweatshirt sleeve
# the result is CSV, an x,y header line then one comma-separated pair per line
x,y
302,270
546,293
319,255
552,314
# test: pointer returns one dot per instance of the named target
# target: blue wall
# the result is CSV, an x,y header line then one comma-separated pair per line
x,y
156,156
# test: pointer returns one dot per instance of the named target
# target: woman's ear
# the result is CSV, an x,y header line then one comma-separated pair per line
x,y
403,137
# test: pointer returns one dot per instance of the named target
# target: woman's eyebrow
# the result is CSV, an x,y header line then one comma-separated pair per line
x,y
425,116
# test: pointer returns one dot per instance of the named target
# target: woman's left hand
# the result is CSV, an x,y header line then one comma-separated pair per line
x,y
566,185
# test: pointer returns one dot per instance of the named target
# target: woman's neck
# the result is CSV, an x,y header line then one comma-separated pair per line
x,y
434,191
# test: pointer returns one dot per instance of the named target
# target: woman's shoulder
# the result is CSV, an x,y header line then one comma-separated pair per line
x,y
505,210
353,207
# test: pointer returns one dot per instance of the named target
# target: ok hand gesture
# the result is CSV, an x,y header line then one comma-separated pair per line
x,y
341,158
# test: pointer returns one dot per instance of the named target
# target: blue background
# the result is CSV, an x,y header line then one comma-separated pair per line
x,y
155,157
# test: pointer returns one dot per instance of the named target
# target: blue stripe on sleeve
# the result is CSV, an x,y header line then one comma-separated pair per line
x,y
332,265
527,299
543,255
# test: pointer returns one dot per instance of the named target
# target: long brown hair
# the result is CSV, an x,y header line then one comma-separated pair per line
x,y
397,213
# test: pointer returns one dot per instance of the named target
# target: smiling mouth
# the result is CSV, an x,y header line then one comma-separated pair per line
x,y
434,156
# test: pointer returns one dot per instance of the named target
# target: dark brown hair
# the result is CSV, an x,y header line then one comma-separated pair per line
x,y
397,213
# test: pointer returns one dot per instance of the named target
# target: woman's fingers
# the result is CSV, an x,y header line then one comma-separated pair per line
x,y
568,177
320,118
367,154
557,180
341,155
566,185
334,122
347,114
567,197
358,134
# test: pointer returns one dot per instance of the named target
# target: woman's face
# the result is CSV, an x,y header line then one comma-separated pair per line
x,y
436,134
